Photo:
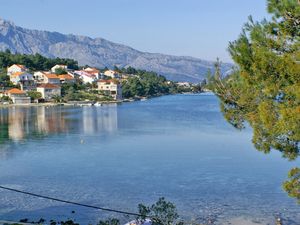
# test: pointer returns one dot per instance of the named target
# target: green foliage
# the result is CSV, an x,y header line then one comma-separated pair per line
x,y
81,92
34,62
144,83
57,98
4,79
60,71
292,185
68,222
109,222
264,90
34,95
6,99
160,213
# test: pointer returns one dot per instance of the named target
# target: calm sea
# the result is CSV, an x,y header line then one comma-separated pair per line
x,y
117,156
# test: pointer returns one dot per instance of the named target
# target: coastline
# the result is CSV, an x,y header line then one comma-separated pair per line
x,y
89,103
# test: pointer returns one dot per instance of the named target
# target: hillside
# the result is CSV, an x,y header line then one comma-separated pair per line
x,y
100,52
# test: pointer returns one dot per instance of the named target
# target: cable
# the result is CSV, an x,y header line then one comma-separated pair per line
x,y
70,202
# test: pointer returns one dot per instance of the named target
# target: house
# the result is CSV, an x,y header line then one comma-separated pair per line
x,y
16,68
85,76
111,87
18,77
24,79
66,78
18,96
46,77
39,76
184,84
49,91
50,78
63,67
93,71
111,74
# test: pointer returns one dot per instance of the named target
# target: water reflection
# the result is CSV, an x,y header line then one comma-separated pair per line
x,y
20,123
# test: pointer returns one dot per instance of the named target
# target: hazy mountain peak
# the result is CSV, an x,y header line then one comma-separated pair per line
x,y
100,52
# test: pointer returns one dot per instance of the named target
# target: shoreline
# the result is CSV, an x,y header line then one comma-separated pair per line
x,y
89,103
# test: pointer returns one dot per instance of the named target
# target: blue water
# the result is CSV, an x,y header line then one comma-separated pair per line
x,y
118,156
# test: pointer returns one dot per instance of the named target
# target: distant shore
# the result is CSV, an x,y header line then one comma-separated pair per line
x,y
74,103
87,103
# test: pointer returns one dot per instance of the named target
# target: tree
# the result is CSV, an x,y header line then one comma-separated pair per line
x,y
292,185
34,95
109,222
160,213
264,89
60,71
4,80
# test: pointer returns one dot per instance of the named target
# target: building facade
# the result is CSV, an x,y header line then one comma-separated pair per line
x,y
111,87
18,96
49,91
15,68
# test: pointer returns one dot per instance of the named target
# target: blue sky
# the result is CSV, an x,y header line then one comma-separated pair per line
x,y
198,28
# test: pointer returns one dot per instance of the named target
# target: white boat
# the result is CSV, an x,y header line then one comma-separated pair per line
x,y
98,104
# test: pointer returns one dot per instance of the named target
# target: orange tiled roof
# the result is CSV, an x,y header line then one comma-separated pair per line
x,y
49,86
91,70
108,81
65,76
15,91
19,65
17,74
51,76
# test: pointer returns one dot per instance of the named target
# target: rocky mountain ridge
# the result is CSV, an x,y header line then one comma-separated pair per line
x,y
99,52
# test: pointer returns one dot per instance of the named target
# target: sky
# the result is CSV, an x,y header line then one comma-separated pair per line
x,y
198,28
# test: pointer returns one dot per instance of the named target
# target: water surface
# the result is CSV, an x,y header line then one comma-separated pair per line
x,y
118,156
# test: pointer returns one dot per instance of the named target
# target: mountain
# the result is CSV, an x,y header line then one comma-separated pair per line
x,y
99,52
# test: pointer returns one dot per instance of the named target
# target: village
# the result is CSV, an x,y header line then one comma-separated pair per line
x,y
35,87
48,84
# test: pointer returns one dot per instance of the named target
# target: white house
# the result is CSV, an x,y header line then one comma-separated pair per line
x,y
39,76
24,79
184,84
85,76
111,73
16,68
54,68
49,91
66,78
18,96
111,87
50,78
46,77
93,71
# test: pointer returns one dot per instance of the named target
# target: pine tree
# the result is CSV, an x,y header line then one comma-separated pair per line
x,y
264,90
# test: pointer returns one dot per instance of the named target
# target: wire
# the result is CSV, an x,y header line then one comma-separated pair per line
x,y
70,202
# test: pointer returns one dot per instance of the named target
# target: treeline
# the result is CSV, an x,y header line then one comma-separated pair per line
x,y
34,62
143,83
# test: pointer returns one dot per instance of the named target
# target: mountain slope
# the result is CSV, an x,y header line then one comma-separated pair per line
x,y
100,52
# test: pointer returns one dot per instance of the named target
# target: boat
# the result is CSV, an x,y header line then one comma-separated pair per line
x,y
98,104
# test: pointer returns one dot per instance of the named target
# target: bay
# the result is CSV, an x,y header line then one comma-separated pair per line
x,y
117,156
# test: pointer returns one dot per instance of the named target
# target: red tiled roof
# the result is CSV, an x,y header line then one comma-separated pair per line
x,y
17,74
15,91
19,65
49,86
91,70
108,81
65,76
51,76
